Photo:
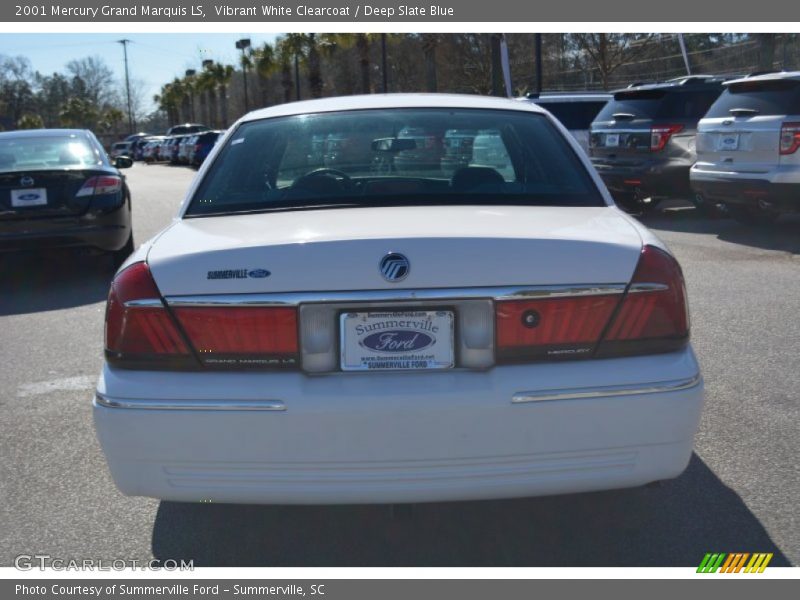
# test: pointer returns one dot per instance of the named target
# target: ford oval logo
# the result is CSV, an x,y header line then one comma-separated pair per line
x,y
394,267
28,196
397,341
258,273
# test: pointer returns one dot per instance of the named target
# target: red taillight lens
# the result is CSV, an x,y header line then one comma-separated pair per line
x,y
654,315
790,138
660,135
104,184
551,328
140,332
242,336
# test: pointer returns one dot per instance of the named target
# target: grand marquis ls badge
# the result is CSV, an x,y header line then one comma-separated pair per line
x,y
394,267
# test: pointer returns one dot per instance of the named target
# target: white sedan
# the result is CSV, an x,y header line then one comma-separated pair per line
x,y
336,317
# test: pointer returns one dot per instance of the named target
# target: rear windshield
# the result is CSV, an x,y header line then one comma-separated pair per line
x,y
38,153
574,115
394,157
775,97
660,104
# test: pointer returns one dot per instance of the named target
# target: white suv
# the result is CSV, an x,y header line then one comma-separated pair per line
x,y
747,148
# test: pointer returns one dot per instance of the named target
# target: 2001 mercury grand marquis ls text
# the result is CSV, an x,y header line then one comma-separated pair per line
x,y
344,313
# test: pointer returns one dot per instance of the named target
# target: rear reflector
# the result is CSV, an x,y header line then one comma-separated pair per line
x,y
551,328
242,336
140,333
653,316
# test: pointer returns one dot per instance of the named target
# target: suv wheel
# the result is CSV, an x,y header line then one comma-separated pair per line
x,y
752,215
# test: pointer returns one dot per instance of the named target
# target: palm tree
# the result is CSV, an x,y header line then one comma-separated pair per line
x,y
264,64
222,75
207,86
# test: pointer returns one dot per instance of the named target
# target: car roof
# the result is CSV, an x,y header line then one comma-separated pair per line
x,y
34,133
377,101
767,77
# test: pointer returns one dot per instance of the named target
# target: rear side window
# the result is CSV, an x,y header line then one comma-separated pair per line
x,y
574,115
382,157
660,104
774,97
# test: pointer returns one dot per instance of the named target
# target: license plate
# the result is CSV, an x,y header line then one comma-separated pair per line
x,y
397,341
612,140
729,142
28,197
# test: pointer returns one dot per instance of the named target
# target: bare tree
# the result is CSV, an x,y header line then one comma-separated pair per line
x,y
609,51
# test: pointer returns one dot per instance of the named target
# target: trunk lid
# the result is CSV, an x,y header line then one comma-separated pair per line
x,y
738,143
60,185
447,246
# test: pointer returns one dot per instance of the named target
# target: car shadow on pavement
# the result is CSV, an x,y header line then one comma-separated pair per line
x,y
782,236
40,281
671,524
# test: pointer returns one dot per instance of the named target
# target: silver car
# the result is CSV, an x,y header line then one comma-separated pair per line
x,y
748,146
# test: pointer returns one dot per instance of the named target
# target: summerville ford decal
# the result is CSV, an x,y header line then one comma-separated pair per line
x,y
238,274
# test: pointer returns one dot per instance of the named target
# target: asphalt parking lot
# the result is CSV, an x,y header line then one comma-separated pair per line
x,y
739,493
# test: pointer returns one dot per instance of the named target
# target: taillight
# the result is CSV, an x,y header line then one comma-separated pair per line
x,y
551,328
140,332
242,336
651,317
103,184
654,315
790,138
660,135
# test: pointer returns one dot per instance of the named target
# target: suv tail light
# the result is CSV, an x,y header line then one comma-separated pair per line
x,y
103,184
661,134
140,332
790,138
653,316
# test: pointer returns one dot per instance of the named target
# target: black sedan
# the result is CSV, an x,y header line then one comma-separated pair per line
x,y
58,188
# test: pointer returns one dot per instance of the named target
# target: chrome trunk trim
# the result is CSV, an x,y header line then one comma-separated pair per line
x,y
495,293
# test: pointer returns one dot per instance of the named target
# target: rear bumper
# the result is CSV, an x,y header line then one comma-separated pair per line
x,y
746,190
107,232
379,437
659,179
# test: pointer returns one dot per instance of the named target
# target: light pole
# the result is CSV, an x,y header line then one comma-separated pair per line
x,y
131,121
242,45
191,73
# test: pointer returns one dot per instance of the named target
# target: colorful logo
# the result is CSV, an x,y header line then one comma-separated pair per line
x,y
734,562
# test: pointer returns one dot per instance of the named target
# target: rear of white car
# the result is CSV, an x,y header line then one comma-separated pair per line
x,y
353,336
748,148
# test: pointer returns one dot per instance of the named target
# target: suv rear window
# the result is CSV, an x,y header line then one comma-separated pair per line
x,y
771,97
394,157
660,104
574,115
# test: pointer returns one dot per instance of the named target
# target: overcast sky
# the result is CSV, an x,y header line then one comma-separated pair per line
x,y
153,59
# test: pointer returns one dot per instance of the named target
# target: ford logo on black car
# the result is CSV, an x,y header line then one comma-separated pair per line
x,y
397,341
